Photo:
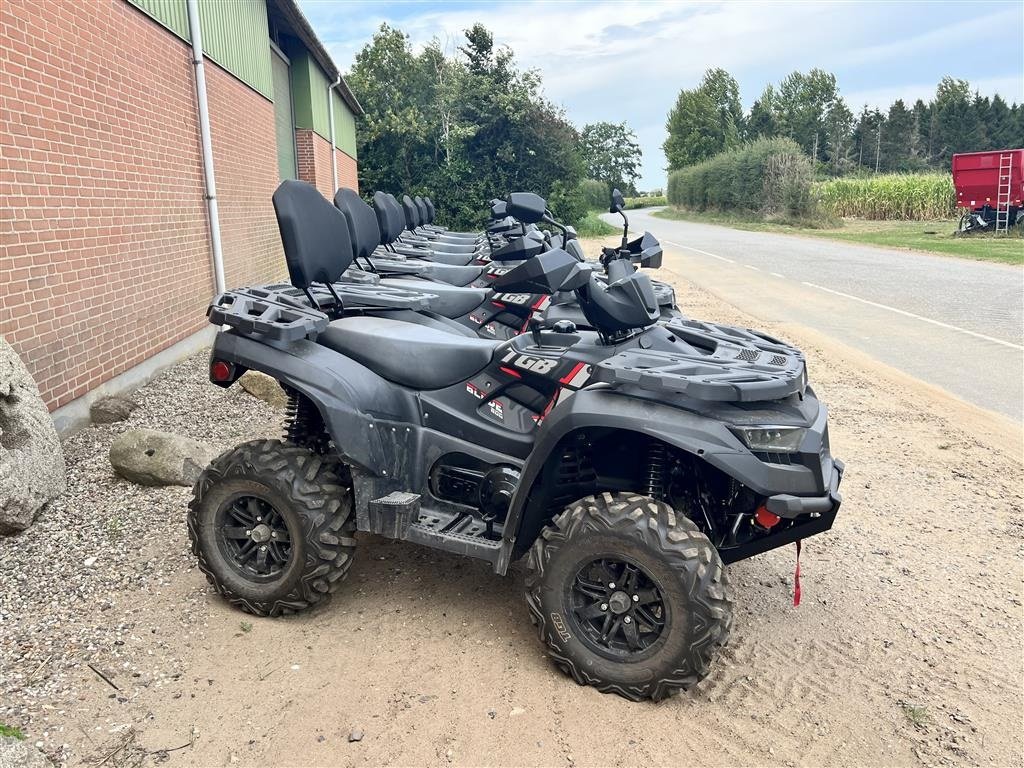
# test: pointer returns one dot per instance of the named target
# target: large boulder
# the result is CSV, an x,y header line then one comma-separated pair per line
x,y
148,457
15,753
264,387
31,457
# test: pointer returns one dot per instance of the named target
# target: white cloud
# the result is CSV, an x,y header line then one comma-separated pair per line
x,y
628,60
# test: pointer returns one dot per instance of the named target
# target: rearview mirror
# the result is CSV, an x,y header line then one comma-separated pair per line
x,y
526,206
618,202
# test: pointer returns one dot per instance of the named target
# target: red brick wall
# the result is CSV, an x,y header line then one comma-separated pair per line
x,y
314,163
104,246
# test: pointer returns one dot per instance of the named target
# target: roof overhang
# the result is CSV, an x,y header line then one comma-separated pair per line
x,y
296,20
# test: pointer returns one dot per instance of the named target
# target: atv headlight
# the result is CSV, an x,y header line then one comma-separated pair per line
x,y
771,439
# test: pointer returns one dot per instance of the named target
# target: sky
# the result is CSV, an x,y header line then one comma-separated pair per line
x,y
627,61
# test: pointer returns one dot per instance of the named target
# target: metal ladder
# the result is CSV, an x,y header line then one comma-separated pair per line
x,y
1003,193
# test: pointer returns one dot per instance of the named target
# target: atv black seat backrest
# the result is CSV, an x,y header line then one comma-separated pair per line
x,y
412,213
389,216
431,211
362,222
315,236
421,206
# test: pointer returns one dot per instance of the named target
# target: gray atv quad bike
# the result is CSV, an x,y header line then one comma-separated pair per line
x,y
626,465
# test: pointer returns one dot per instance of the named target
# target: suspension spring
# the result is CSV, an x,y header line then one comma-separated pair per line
x,y
656,457
303,424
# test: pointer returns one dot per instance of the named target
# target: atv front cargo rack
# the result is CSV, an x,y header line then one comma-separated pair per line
x,y
720,364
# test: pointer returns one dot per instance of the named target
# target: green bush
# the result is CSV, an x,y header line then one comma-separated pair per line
x,y
645,201
766,176
592,225
892,196
596,194
567,203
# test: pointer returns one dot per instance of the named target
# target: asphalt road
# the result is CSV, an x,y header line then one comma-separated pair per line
x,y
954,323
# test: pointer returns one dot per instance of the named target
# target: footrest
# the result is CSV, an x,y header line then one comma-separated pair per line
x,y
392,515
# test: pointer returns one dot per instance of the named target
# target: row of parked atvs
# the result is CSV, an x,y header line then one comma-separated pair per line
x,y
495,394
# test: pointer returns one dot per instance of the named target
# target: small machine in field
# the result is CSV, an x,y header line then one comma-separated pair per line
x,y
990,186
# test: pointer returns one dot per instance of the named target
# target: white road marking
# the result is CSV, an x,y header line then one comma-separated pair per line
x,y
698,250
875,304
776,274
904,312
750,266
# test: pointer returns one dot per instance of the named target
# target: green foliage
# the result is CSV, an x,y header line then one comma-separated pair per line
x,y
462,129
767,176
645,201
808,108
704,121
894,196
596,194
11,731
592,225
567,203
611,154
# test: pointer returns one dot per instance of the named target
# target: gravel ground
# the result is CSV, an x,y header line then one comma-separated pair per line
x,y
905,651
76,589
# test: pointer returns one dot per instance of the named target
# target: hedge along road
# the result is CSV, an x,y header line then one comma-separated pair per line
x,y
953,323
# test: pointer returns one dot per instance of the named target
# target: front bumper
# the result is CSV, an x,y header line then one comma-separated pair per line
x,y
790,507
816,515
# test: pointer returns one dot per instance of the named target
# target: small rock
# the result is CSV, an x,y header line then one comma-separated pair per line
x,y
492,713
89,562
149,457
108,410
265,388
355,735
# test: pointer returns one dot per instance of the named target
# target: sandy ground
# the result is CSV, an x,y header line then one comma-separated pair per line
x,y
906,650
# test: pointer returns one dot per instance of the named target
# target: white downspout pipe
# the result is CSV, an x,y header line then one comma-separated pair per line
x,y
207,145
330,113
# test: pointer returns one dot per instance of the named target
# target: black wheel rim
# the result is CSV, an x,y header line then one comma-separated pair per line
x,y
254,538
618,608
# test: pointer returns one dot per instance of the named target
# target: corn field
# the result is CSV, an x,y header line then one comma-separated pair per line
x,y
904,197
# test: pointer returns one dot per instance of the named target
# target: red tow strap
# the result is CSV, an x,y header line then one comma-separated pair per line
x,y
796,578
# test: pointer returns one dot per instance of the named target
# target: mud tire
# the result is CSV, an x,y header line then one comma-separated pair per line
x,y
672,550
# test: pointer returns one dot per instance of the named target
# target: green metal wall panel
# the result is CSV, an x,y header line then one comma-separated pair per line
x,y
309,97
171,13
236,36
344,126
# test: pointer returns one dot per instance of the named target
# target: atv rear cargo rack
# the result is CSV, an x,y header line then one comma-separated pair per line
x,y
728,365
267,312
282,312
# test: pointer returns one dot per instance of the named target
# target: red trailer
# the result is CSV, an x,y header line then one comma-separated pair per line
x,y
990,185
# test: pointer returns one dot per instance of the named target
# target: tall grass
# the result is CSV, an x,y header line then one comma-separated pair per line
x,y
894,196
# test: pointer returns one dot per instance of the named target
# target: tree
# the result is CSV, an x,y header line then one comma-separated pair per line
x,y
704,121
838,146
801,105
896,139
611,154
954,120
465,128
761,122
1000,125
